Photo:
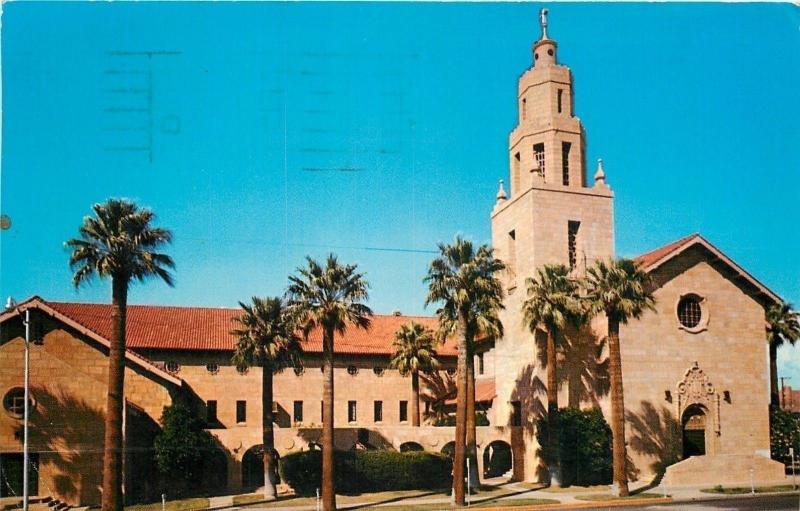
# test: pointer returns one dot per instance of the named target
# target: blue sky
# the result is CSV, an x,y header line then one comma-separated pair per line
x,y
260,133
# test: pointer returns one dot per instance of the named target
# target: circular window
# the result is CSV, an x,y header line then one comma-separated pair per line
x,y
535,56
352,370
212,368
689,311
14,402
378,370
451,371
298,370
550,52
172,366
243,370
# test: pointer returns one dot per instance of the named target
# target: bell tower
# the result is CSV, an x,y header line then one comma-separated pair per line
x,y
552,214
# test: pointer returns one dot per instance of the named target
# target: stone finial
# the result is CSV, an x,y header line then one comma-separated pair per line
x,y
543,22
600,175
501,193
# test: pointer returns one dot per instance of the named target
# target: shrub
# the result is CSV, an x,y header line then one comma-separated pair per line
x,y
784,432
368,471
584,446
182,449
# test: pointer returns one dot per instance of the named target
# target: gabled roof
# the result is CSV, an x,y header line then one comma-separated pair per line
x,y
655,258
36,302
159,327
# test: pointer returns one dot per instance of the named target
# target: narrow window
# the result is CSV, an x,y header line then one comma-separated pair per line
x,y
560,97
572,242
511,262
524,108
515,177
241,412
321,411
351,411
298,411
565,147
211,411
538,157
403,411
480,363
378,411
516,413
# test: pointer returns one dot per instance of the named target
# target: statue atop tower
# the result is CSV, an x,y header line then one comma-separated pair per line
x,y
543,22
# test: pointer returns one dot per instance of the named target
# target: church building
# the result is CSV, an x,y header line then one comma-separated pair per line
x,y
695,370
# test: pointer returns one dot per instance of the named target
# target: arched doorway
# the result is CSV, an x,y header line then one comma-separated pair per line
x,y
449,449
497,459
411,447
253,467
693,425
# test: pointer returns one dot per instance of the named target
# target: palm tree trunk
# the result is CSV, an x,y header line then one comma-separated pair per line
x,y
774,392
461,414
328,490
471,438
112,442
554,467
617,407
268,435
415,399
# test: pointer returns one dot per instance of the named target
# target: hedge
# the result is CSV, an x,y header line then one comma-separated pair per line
x,y
584,445
784,430
368,471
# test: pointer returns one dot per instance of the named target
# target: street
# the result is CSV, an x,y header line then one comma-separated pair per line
x,y
758,503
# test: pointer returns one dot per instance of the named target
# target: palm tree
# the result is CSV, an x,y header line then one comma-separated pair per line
x,y
118,242
329,297
266,338
415,352
463,281
621,290
553,302
783,325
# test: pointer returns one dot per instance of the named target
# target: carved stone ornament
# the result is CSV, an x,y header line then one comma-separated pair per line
x,y
696,389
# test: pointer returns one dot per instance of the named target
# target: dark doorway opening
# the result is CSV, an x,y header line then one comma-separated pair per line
x,y
497,459
253,467
694,431
11,474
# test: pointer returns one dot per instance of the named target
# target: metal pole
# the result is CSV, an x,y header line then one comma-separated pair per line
x,y
25,460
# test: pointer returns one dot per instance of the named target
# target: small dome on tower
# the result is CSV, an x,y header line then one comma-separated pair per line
x,y
544,50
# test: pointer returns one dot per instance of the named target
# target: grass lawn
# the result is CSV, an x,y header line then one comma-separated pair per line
x,y
173,505
740,490
603,497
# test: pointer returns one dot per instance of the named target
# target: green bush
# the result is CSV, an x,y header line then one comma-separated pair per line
x,y
368,471
182,449
784,432
584,446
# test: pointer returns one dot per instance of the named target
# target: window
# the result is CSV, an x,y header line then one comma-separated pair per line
x,y
689,311
211,412
560,98
172,366
299,370
352,370
212,368
403,411
321,410
241,412
378,370
378,411
572,242
480,363
451,371
515,175
351,411
565,147
242,370
511,261
524,108
14,402
538,157
298,411
516,413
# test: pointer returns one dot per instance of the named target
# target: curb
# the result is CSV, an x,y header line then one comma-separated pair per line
x,y
589,504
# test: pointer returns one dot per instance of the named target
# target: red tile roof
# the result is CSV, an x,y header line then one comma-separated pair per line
x,y
484,391
208,329
645,260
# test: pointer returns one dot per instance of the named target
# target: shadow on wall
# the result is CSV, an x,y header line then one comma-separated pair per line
x,y
437,389
531,394
347,438
655,434
583,367
69,434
